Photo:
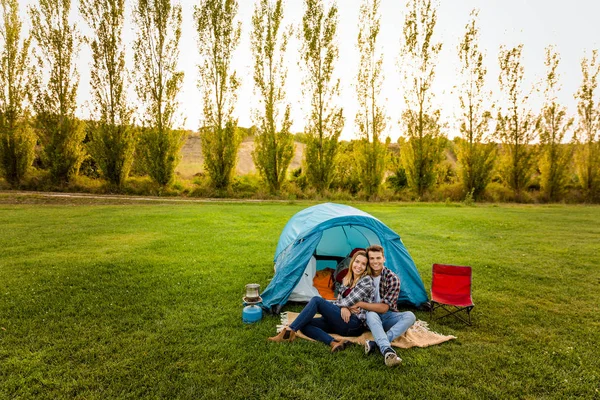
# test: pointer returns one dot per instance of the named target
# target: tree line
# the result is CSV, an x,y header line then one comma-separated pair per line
x,y
39,82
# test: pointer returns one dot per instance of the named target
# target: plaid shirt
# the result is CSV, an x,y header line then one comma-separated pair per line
x,y
389,289
363,291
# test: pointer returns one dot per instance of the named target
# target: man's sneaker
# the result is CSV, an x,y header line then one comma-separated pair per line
x,y
391,358
370,346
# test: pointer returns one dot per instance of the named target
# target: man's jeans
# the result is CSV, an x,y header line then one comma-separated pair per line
x,y
331,321
387,327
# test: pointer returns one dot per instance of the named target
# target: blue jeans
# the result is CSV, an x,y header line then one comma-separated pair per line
x,y
387,327
331,321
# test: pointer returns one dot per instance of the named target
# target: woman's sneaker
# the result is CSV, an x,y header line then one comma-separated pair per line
x,y
391,358
370,346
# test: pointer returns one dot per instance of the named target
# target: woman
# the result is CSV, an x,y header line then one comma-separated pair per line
x,y
336,317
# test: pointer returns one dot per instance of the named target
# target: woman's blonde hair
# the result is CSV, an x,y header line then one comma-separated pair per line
x,y
350,280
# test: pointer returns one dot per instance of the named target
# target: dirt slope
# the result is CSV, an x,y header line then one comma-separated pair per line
x,y
192,159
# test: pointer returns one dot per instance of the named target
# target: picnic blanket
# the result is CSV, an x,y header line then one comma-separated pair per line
x,y
418,335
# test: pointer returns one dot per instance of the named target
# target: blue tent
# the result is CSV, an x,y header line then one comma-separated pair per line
x,y
334,230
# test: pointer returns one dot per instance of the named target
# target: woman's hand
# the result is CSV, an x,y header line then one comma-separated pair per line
x,y
345,314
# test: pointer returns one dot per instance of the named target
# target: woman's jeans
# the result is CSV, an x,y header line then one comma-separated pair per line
x,y
331,321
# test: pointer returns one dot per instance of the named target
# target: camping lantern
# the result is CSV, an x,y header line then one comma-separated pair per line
x,y
252,292
252,312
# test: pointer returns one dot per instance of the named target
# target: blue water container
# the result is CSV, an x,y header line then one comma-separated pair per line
x,y
251,314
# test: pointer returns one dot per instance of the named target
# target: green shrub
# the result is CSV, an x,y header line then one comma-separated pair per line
x,y
141,186
497,193
445,173
298,178
469,201
160,152
299,190
339,195
89,168
245,186
64,151
397,180
453,191
17,150
112,146
85,184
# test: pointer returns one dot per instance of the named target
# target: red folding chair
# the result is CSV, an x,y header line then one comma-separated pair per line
x,y
451,291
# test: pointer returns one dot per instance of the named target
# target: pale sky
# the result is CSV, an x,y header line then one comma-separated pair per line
x,y
569,25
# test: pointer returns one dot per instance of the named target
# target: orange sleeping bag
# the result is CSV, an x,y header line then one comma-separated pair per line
x,y
324,283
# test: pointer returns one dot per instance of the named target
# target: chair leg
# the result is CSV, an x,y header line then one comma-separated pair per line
x,y
454,313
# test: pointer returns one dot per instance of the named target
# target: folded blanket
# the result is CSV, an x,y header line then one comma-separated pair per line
x,y
418,335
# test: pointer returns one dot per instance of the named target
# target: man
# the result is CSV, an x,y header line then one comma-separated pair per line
x,y
383,318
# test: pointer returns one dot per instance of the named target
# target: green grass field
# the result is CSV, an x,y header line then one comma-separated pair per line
x,y
102,301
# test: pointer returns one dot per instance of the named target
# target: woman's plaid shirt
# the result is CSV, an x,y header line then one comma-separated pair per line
x,y
363,291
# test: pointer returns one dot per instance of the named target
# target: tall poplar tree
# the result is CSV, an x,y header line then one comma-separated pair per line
x,y
552,126
274,143
515,124
424,145
112,136
587,133
158,82
218,37
476,153
370,117
61,133
325,121
17,140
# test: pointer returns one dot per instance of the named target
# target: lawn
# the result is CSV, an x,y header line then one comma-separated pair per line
x,y
143,300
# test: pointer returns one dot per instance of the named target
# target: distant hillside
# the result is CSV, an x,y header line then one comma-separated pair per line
x,y
192,159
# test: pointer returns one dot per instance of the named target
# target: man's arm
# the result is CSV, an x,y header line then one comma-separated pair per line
x,y
380,308
392,290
